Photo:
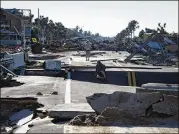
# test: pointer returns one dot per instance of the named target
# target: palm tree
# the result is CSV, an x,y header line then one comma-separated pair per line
x,y
58,30
31,17
77,28
96,35
141,34
80,30
51,28
127,32
88,33
85,33
161,29
120,37
132,26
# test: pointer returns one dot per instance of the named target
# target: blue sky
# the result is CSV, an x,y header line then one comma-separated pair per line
x,y
105,17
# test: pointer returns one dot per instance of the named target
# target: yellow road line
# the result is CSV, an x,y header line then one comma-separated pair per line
x,y
129,78
128,75
133,78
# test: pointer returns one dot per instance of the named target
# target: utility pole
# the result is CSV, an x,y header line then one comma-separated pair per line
x,y
24,38
43,37
38,26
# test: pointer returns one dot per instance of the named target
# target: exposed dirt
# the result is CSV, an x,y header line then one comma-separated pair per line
x,y
84,120
112,116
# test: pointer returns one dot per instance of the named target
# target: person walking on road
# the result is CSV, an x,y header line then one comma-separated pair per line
x,y
88,49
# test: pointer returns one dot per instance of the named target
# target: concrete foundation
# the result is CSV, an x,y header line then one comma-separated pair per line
x,y
69,111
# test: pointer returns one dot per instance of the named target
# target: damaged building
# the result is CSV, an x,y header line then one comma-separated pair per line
x,y
53,88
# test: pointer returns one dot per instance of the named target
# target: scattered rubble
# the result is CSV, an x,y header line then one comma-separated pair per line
x,y
158,51
55,93
6,77
78,43
30,125
116,116
109,116
9,106
84,120
39,93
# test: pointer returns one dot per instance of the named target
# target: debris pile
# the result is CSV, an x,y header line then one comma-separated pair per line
x,y
159,50
12,49
6,79
78,43
123,108
84,120
12,105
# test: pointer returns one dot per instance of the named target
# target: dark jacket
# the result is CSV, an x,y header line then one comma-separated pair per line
x,y
100,67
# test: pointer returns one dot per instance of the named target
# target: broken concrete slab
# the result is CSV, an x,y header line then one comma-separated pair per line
x,y
163,91
113,113
69,111
168,106
122,108
134,104
169,89
160,86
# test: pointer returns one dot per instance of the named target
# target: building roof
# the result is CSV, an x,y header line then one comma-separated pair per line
x,y
168,41
154,45
6,10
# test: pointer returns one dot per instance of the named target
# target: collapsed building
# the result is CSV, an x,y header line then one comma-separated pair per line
x,y
158,49
15,32
98,43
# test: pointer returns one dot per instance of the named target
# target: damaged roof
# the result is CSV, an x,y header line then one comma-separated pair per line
x,y
154,45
